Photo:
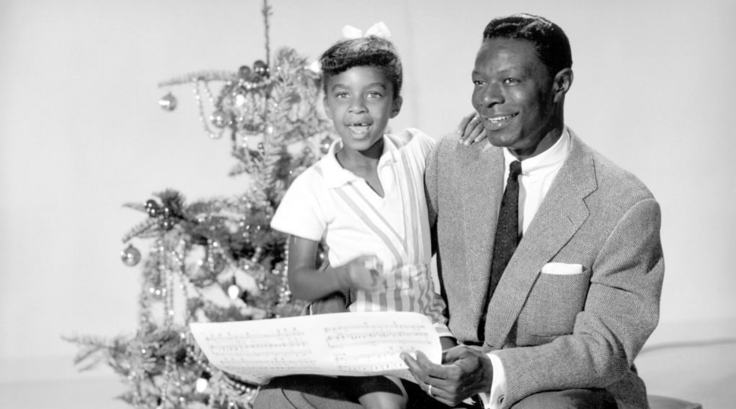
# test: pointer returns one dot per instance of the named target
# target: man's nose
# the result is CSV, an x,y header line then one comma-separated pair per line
x,y
492,95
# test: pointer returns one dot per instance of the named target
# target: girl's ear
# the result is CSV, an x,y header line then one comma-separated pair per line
x,y
327,107
396,106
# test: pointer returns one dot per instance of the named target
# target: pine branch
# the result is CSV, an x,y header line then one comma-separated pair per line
x,y
200,76
140,229
135,206
93,350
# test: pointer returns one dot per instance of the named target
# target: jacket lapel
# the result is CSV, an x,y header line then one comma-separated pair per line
x,y
561,214
481,178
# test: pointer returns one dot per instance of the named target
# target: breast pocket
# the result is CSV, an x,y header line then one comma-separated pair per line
x,y
552,305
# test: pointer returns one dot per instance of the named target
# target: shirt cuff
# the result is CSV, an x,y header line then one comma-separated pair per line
x,y
494,398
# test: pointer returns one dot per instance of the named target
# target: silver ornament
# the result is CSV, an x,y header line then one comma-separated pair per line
x,y
168,102
130,256
220,119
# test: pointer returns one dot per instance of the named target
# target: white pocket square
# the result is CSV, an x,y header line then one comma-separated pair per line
x,y
562,269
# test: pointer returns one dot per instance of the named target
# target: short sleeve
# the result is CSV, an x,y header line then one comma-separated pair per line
x,y
420,141
301,212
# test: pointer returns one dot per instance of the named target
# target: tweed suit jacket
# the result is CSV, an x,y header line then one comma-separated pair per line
x,y
551,331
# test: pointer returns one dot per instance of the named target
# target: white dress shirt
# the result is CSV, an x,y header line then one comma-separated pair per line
x,y
537,175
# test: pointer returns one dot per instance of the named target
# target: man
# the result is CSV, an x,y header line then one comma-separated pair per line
x,y
553,298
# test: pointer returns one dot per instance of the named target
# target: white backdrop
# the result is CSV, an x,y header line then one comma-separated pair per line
x,y
81,133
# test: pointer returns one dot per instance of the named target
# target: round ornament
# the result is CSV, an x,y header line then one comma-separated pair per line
x,y
244,72
260,68
152,208
130,256
324,144
220,119
167,102
167,224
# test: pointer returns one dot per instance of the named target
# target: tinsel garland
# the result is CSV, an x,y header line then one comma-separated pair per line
x,y
217,259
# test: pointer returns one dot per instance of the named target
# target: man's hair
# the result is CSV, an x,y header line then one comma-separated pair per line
x,y
368,51
548,39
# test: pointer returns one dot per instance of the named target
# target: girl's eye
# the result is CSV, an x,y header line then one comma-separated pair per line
x,y
374,94
341,95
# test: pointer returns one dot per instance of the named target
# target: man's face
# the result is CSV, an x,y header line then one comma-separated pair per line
x,y
513,93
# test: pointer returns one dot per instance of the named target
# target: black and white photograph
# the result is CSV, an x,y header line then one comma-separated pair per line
x,y
341,204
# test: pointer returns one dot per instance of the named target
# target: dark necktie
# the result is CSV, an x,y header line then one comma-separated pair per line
x,y
507,237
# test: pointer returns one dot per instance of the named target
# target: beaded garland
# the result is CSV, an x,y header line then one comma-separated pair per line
x,y
270,112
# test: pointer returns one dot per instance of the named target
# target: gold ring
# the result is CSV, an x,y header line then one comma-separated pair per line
x,y
429,390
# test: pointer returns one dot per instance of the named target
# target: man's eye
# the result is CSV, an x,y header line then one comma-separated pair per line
x,y
510,81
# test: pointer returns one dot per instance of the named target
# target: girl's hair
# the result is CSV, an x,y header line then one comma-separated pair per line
x,y
371,51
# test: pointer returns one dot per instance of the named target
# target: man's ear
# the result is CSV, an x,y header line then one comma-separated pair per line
x,y
563,82
396,106
327,107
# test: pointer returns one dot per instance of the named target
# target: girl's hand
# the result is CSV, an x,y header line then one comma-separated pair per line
x,y
471,129
365,273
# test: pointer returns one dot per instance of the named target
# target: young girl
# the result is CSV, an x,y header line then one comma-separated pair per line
x,y
365,199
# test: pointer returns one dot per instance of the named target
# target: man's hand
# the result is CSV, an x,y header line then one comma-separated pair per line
x,y
466,372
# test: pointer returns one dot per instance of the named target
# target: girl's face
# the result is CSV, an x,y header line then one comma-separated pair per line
x,y
360,101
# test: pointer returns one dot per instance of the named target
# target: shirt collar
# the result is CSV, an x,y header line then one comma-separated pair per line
x,y
546,161
335,175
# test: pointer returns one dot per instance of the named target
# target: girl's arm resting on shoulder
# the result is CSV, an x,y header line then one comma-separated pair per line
x,y
470,129
306,282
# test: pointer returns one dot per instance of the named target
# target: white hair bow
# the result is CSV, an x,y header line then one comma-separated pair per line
x,y
379,30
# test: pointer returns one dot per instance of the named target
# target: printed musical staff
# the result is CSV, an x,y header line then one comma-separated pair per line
x,y
352,344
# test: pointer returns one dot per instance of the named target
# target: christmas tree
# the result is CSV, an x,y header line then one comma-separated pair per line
x,y
217,259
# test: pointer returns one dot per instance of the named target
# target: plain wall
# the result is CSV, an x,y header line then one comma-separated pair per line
x,y
81,132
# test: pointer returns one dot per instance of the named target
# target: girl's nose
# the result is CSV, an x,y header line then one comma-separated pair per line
x,y
357,106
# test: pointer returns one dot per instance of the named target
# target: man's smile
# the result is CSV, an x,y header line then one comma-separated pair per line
x,y
499,121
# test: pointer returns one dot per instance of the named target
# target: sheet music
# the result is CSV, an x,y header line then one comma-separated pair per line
x,y
347,344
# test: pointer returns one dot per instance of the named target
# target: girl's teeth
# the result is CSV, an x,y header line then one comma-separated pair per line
x,y
358,129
